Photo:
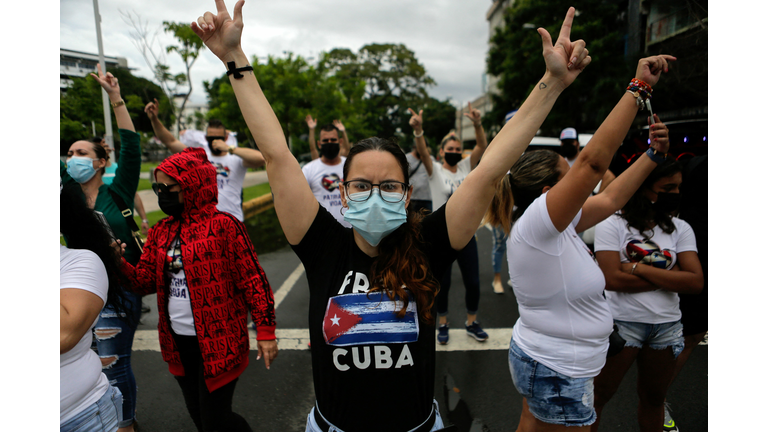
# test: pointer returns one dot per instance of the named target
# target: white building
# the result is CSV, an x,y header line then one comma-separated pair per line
x,y
79,64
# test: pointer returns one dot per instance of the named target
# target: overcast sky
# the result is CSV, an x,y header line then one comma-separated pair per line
x,y
449,37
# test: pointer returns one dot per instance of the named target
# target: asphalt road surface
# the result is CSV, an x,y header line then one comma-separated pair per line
x,y
279,399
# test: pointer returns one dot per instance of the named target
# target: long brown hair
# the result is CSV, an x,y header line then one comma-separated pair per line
x,y
639,212
518,189
401,262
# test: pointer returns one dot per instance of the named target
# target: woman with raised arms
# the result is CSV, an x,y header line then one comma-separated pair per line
x,y
372,286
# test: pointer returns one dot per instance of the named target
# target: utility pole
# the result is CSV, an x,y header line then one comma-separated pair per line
x,y
104,98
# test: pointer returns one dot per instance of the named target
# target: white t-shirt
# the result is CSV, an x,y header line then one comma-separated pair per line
x,y
564,319
419,179
179,305
650,307
81,382
230,172
443,183
325,180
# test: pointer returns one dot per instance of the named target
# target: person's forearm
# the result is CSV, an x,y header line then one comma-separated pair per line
x,y
624,282
121,113
344,144
251,158
480,146
620,190
421,148
517,134
139,207
685,282
162,133
313,144
609,136
258,114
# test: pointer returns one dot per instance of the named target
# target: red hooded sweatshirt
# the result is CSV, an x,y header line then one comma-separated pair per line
x,y
224,277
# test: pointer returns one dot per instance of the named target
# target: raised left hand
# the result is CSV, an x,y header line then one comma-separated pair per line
x,y
221,33
268,349
474,115
339,125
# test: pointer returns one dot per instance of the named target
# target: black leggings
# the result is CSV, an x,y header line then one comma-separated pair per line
x,y
210,411
470,274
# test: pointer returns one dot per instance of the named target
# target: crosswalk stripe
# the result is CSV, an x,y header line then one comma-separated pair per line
x,y
297,339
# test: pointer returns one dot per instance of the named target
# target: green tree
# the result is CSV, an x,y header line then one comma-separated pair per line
x,y
515,57
187,45
80,106
393,80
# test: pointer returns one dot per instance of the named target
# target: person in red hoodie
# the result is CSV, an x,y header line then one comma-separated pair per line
x,y
201,263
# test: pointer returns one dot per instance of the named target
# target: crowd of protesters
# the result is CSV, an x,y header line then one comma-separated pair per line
x,y
377,230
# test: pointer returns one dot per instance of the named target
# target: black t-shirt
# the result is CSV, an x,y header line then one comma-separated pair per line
x,y
372,371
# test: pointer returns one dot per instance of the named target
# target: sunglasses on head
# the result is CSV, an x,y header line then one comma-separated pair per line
x,y
162,187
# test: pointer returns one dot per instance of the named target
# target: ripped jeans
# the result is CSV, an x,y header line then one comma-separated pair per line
x,y
113,339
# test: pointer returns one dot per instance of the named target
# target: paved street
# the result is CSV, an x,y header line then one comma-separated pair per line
x,y
280,399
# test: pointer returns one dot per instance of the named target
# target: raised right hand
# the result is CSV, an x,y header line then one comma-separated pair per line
x,y
220,33
416,121
565,59
311,123
151,109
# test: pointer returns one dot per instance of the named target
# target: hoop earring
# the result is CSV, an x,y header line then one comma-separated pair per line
x,y
340,210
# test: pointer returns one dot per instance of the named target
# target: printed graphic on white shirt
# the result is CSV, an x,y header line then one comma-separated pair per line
x,y
179,305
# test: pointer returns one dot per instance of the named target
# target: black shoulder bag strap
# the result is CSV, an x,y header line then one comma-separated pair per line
x,y
128,215
414,170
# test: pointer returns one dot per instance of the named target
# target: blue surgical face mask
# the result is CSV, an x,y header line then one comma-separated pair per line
x,y
375,218
81,168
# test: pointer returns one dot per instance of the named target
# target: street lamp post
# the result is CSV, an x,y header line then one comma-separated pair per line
x,y
104,98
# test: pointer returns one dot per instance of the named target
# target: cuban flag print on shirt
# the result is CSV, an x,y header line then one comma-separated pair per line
x,y
359,319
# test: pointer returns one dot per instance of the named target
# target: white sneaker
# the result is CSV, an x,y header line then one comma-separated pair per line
x,y
669,423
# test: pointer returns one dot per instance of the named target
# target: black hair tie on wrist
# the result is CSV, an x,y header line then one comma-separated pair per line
x,y
231,69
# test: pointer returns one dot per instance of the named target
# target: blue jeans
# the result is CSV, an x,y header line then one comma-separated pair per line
x,y
655,336
552,397
499,248
470,274
113,338
102,416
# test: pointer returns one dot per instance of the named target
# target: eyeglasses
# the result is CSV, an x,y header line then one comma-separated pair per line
x,y
162,187
390,191
329,140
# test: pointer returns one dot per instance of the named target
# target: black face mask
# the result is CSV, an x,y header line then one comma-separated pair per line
x,y
452,158
169,203
329,150
568,150
667,202
210,140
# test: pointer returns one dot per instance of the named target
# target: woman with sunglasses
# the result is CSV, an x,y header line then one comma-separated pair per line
x,y
444,179
201,264
372,286
85,165
648,256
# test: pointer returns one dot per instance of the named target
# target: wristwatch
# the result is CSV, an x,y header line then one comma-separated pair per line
x,y
231,150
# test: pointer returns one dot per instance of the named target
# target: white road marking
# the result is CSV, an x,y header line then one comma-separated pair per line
x,y
297,339
287,285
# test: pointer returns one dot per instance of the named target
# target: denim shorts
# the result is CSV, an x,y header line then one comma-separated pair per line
x,y
101,416
552,397
656,336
